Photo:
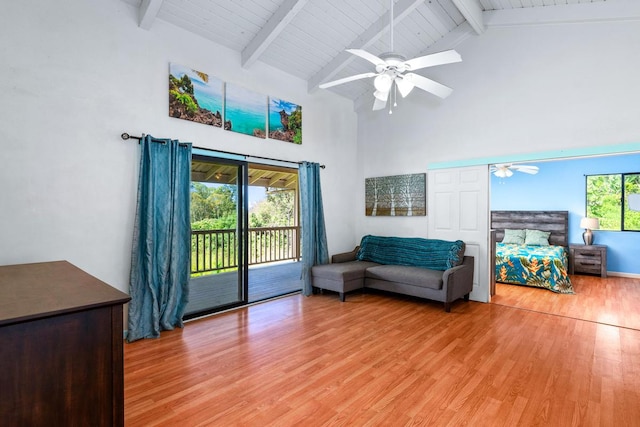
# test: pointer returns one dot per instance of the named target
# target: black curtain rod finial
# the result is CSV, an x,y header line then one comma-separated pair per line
x,y
126,136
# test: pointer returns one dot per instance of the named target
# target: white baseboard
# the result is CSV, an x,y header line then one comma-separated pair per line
x,y
618,274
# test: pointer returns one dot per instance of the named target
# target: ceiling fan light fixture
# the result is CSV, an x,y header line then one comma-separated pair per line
x,y
391,67
503,172
381,95
404,87
383,82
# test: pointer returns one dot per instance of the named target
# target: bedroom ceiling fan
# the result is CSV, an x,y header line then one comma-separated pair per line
x,y
393,72
505,170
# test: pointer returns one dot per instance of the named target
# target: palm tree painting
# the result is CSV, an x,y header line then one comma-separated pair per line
x,y
399,195
195,96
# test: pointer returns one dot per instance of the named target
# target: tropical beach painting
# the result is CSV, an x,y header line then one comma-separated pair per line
x,y
285,121
195,96
245,111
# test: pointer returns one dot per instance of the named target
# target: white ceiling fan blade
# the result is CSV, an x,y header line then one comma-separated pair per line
x,y
404,86
440,58
429,85
532,170
346,80
368,56
380,99
379,104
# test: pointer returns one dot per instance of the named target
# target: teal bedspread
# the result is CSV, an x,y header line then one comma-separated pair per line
x,y
539,266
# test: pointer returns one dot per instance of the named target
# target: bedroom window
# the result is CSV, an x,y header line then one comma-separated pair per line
x,y
614,199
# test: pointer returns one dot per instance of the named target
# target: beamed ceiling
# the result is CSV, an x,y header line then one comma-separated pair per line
x,y
308,38
258,175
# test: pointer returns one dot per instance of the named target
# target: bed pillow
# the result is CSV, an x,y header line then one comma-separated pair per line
x,y
537,238
514,237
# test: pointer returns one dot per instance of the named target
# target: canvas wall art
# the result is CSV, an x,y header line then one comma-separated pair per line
x,y
399,195
195,96
245,111
285,121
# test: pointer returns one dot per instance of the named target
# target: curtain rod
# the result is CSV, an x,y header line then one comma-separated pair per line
x,y
126,136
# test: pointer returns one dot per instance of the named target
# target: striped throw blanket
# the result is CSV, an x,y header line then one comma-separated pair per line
x,y
414,251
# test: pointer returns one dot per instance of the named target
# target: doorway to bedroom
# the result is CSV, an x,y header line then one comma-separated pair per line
x,y
560,185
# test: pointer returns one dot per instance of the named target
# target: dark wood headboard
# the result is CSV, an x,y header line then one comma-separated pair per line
x,y
556,222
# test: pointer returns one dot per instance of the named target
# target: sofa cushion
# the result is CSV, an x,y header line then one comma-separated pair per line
x,y
407,275
414,251
343,271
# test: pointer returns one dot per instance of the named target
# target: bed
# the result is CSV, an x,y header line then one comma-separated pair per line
x,y
522,255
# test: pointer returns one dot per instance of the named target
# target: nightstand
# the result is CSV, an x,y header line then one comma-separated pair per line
x,y
590,259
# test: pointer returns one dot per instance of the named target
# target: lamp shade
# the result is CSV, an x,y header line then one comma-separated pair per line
x,y
590,223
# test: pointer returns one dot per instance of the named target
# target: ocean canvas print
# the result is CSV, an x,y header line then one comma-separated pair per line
x,y
285,121
245,111
195,96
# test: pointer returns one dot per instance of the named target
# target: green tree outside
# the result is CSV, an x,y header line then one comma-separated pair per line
x,y
604,200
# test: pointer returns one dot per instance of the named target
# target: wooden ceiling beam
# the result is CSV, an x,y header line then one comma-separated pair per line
x,y
268,33
147,13
472,12
275,178
256,175
612,10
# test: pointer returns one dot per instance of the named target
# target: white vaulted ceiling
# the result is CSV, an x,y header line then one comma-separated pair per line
x,y
308,38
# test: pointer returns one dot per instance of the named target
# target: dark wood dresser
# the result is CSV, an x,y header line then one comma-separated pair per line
x,y
61,344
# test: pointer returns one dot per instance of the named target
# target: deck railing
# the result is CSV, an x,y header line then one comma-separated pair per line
x,y
215,250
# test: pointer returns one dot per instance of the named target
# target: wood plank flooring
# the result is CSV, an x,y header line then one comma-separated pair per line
x,y
613,300
379,359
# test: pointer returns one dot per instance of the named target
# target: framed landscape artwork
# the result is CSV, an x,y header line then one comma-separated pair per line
x,y
245,111
399,195
285,121
195,96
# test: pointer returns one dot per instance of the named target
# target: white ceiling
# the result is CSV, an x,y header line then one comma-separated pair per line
x,y
308,38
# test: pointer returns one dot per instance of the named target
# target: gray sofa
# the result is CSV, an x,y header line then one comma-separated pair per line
x,y
355,270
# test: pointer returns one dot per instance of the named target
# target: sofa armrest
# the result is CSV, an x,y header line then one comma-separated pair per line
x,y
458,281
345,256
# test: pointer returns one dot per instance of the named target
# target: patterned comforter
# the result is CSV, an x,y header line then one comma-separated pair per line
x,y
539,266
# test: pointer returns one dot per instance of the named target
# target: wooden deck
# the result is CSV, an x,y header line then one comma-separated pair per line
x,y
265,281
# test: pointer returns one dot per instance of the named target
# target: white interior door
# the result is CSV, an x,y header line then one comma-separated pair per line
x,y
458,210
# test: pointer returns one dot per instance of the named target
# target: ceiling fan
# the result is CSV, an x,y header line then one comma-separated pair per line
x,y
505,170
394,71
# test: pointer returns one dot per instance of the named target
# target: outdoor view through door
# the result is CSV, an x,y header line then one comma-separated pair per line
x,y
245,239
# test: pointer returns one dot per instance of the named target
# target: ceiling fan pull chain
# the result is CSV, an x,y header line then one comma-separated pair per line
x,y
395,94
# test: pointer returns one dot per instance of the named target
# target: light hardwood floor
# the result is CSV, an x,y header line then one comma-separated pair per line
x,y
379,359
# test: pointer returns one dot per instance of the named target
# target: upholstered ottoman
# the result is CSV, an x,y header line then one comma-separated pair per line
x,y
340,277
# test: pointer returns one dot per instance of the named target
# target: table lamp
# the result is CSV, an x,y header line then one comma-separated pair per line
x,y
589,224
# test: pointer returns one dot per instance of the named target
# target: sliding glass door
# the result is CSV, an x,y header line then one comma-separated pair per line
x,y
219,215
245,237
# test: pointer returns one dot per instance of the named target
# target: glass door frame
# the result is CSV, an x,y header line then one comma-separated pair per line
x,y
242,240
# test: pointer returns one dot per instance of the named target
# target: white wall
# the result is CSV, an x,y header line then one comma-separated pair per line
x,y
74,75
518,90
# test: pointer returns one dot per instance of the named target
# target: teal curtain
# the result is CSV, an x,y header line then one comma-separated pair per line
x,y
160,268
314,235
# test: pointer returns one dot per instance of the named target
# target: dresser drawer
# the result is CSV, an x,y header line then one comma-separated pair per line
x,y
588,259
586,253
587,267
